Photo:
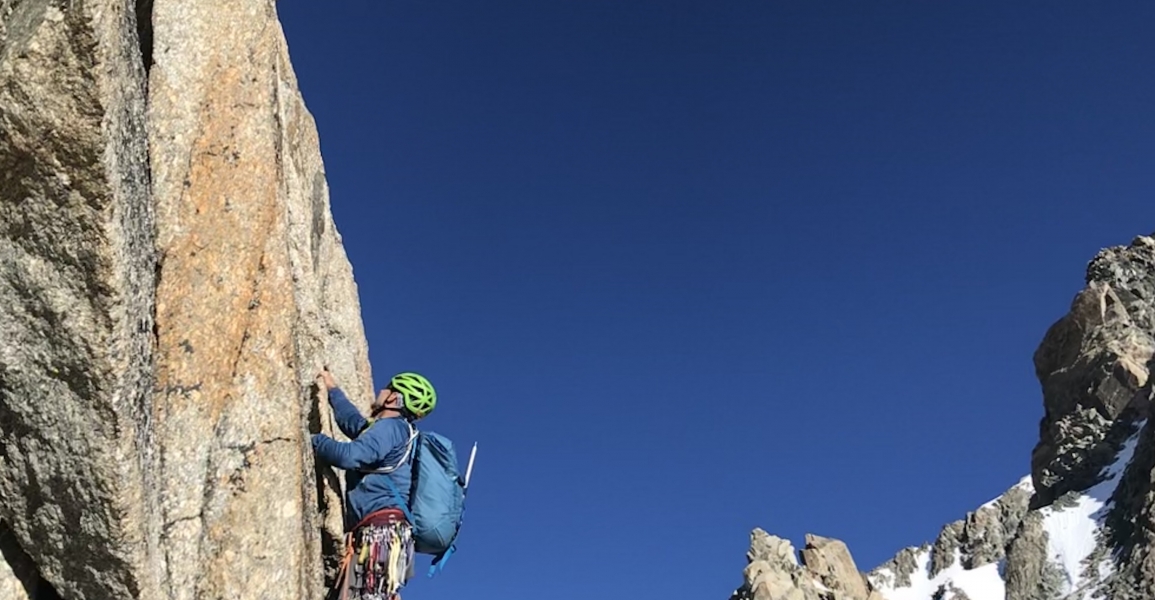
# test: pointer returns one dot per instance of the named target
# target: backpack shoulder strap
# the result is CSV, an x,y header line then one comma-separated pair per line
x,y
401,501
409,453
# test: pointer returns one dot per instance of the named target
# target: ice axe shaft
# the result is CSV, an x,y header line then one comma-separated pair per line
x,y
469,469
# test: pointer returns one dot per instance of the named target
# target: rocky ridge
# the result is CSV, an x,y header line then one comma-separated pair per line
x,y
171,280
1080,526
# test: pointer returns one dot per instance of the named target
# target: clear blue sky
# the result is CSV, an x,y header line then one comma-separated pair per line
x,y
685,269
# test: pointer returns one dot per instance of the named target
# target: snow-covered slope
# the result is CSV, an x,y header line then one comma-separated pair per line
x,y
982,583
1073,530
1075,561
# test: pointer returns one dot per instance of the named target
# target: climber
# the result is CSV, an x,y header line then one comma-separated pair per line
x,y
379,539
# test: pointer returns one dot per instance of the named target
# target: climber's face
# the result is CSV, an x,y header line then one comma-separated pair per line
x,y
386,398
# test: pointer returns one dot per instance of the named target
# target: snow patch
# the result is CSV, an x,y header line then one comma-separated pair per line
x,y
1071,537
1071,530
983,583
1072,527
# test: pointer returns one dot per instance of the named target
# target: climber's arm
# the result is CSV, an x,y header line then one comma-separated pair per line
x,y
348,418
360,453
365,452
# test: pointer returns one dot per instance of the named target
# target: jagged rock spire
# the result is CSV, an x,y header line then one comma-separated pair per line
x,y
826,571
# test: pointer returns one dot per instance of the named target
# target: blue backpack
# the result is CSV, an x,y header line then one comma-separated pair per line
x,y
437,498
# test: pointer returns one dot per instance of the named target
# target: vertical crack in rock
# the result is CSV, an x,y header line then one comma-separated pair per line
x,y
19,579
144,32
139,230
318,229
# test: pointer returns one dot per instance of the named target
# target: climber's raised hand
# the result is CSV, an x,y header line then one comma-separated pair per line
x,y
325,380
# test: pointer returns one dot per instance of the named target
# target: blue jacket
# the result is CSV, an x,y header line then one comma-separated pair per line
x,y
381,444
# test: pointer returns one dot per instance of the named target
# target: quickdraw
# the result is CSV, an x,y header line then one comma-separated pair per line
x,y
378,558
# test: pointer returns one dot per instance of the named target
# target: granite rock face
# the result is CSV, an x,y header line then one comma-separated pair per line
x,y
1093,365
1030,575
826,572
76,286
830,560
171,281
246,244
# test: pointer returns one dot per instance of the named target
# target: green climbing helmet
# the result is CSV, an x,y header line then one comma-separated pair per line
x,y
417,393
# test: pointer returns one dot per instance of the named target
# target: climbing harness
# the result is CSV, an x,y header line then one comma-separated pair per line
x,y
378,558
